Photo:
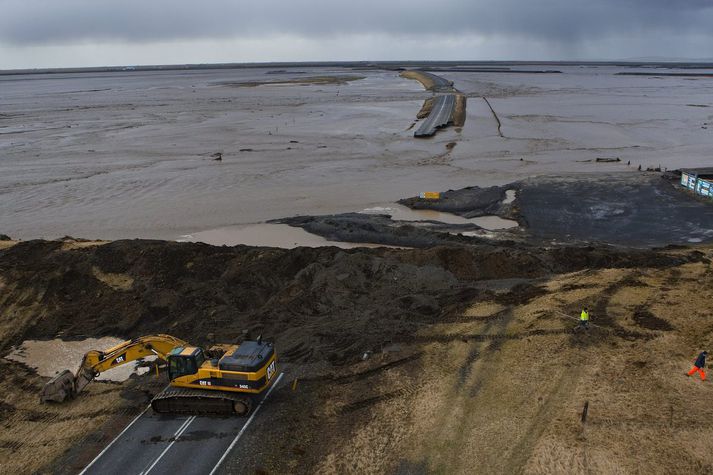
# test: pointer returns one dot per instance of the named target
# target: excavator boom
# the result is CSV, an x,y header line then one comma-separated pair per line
x,y
66,385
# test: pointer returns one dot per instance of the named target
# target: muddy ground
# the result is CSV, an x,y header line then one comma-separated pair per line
x,y
625,209
472,361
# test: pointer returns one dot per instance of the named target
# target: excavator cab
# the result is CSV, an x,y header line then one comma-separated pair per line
x,y
183,361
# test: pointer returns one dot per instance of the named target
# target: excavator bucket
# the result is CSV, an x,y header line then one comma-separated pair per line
x,y
59,389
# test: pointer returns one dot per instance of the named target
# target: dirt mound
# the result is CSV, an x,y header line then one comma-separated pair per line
x,y
127,288
409,311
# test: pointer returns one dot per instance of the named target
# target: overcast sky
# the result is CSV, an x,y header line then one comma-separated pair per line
x,y
56,33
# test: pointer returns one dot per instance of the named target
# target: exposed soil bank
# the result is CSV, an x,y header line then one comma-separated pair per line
x,y
128,288
324,307
411,310
459,115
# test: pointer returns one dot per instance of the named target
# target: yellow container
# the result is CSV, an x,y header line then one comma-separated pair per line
x,y
430,195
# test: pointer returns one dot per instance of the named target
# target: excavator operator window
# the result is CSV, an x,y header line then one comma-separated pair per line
x,y
181,365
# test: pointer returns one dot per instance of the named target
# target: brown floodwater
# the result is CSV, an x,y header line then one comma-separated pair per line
x,y
267,234
130,154
54,356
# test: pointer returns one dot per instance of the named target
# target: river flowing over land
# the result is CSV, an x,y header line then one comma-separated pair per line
x,y
131,154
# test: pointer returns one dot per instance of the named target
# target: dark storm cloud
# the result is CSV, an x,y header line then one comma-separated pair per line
x,y
24,22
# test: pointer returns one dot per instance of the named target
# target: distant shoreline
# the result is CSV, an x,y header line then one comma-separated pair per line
x,y
394,65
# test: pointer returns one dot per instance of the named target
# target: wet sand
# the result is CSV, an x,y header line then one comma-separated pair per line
x,y
112,155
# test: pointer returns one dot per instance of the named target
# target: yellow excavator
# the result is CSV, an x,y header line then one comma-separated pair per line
x,y
223,379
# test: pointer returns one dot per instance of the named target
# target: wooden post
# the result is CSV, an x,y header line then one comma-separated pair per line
x,y
585,410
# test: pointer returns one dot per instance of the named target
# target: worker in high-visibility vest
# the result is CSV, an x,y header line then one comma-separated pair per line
x,y
584,318
698,366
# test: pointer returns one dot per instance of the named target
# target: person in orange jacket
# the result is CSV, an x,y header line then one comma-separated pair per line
x,y
699,365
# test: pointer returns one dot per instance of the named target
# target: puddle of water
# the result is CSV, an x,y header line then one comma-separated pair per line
x,y
404,213
51,357
266,234
493,223
509,196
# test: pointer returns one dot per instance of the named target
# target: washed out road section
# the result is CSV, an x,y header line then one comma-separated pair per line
x,y
441,114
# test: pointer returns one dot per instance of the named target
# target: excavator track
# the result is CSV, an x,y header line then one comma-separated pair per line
x,y
200,401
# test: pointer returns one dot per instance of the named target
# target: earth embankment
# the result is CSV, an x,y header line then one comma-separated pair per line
x,y
371,339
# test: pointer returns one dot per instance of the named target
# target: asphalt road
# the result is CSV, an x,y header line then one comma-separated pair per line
x,y
163,444
440,115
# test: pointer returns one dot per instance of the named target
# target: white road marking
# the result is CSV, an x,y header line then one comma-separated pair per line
x,y
180,432
176,435
115,439
235,440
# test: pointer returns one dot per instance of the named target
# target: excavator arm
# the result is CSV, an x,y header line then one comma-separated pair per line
x,y
66,385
